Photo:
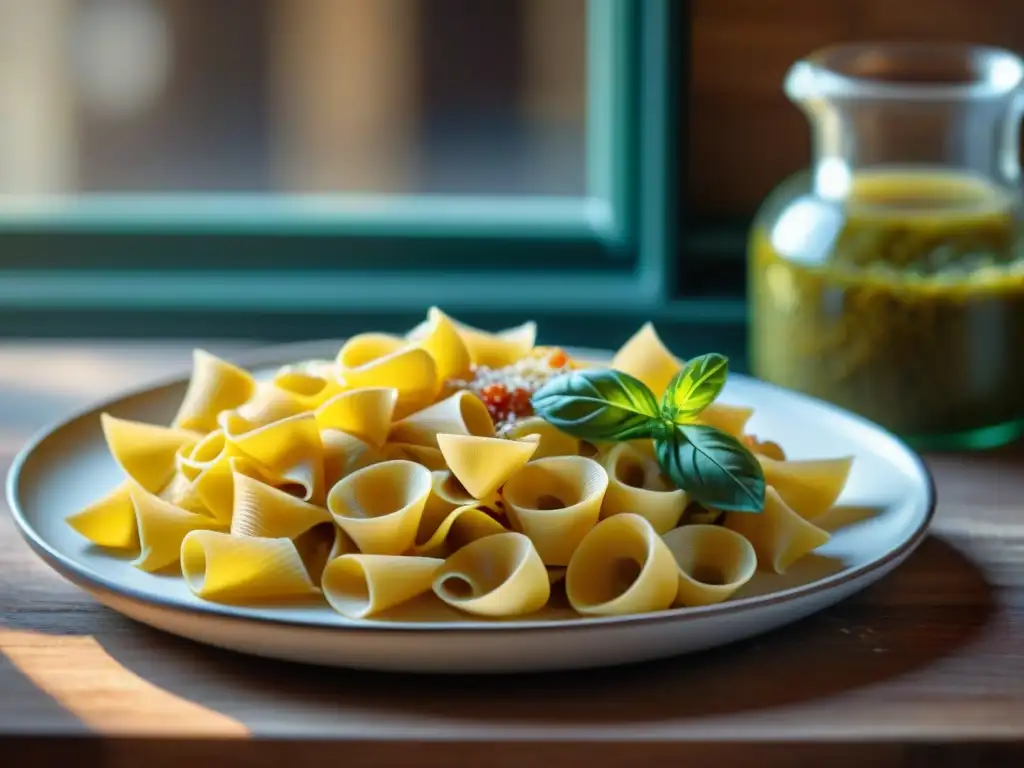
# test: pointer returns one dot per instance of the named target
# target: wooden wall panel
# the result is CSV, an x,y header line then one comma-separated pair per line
x,y
745,136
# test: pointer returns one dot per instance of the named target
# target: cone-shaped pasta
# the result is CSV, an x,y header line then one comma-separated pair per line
x,y
446,494
110,520
767,448
460,527
215,386
460,414
262,510
496,350
203,455
553,442
162,526
811,487
712,562
500,575
636,484
363,413
344,454
428,456
215,486
779,535
380,506
621,566
289,448
146,452
309,388
556,502
182,493
315,547
484,464
241,569
445,345
268,405
647,358
378,360
728,418
360,585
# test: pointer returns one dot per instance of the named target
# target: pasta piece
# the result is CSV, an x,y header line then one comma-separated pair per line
x,y
202,455
556,502
380,506
215,486
290,449
162,526
344,454
621,566
182,493
312,389
460,527
215,386
636,484
442,340
646,357
428,456
146,452
765,448
262,510
463,413
360,585
446,494
779,535
110,520
315,547
811,487
552,441
494,350
378,360
363,413
484,464
268,405
240,569
712,561
731,419
500,575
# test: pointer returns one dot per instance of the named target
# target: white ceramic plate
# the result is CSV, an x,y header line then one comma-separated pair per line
x,y
886,507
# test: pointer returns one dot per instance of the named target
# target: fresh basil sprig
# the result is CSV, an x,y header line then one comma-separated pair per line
x,y
713,467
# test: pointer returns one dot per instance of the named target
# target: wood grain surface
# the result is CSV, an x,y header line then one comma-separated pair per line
x,y
926,667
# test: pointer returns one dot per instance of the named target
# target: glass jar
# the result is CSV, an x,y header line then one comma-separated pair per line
x,y
889,278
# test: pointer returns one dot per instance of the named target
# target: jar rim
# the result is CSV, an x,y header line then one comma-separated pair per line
x,y
907,71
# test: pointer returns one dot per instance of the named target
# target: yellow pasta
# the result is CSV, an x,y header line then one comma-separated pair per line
x,y
779,535
811,487
552,441
636,484
483,464
110,520
621,566
460,414
556,502
442,340
363,413
646,357
414,465
380,506
162,526
147,453
458,528
728,418
289,448
243,569
358,586
496,576
713,562
215,386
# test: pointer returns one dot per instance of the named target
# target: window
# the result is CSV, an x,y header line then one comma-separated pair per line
x,y
294,168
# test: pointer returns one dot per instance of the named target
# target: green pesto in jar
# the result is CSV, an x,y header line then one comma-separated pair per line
x,y
904,304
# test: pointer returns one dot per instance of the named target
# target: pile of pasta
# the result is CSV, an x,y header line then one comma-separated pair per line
x,y
367,481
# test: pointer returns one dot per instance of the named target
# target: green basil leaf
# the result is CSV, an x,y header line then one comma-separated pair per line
x,y
599,404
695,387
713,467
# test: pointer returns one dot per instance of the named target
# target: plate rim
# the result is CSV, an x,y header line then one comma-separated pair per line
x,y
85,578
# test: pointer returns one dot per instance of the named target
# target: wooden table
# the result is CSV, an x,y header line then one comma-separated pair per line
x,y
926,667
